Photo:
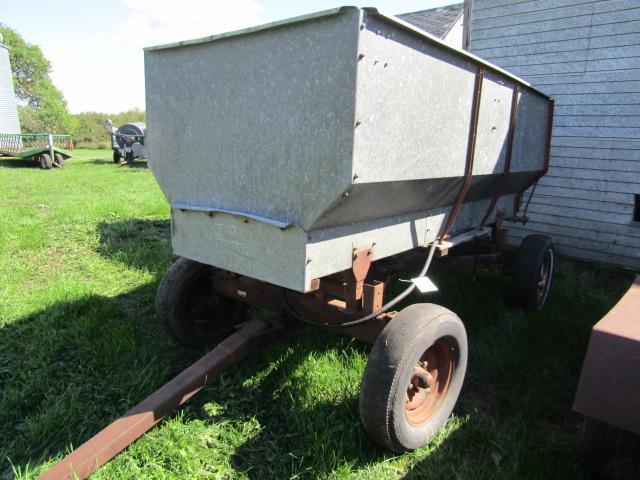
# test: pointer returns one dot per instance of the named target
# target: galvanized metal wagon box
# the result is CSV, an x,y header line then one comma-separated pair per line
x,y
301,156
283,146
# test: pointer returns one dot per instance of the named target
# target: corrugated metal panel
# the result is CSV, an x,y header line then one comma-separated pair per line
x,y
9,122
586,54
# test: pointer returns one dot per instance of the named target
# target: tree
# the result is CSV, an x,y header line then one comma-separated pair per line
x,y
91,128
42,106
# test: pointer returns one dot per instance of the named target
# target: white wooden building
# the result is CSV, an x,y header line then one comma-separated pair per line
x,y
8,108
586,54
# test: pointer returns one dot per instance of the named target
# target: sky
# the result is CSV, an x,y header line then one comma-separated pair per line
x,y
95,47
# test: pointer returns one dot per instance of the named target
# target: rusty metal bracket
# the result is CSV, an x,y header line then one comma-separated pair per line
x,y
372,296
471,150
361,263
444,246
499,234
508,154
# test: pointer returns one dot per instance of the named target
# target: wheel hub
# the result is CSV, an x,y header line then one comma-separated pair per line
x,y
544,278
429,383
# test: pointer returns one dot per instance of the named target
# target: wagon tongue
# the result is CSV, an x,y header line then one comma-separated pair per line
x,y
107,443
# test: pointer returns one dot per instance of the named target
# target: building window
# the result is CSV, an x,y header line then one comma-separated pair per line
x,y
636,208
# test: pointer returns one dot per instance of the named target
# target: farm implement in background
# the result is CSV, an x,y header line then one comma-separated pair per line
x,y
127,141
45,148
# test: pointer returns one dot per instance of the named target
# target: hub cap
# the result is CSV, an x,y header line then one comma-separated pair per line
x,y
544,279
429,382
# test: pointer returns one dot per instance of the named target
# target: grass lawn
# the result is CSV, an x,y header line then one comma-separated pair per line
x,y
82,250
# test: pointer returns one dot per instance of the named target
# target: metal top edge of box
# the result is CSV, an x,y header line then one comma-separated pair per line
x,y
253,29
335,11
465,53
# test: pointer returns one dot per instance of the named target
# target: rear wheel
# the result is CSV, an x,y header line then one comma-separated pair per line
x,y
45,161
413,377
532,272
188,308
59,159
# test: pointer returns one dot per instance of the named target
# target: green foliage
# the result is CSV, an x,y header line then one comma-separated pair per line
x,y
29,66
90,128
43,108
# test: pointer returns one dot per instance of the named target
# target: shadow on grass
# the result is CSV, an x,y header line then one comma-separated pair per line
x,y
10,162
102,161
70,369
108,161
135,242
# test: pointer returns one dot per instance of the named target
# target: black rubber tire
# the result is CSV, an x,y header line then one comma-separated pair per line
x,y
192,314
59,159
45,161
116,156
611,453
389,370
534,252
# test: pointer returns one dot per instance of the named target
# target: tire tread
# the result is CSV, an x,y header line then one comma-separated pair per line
x,y
380,384
525,270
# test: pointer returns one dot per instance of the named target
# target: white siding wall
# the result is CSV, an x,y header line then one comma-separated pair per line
x,y
586,54
8,111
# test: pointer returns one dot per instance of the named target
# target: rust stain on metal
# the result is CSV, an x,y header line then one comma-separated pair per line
x,y
609,387
361,263
429,382
355,284
471,150
372,296
99,449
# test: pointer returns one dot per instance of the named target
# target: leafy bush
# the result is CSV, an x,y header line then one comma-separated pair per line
x,y
90,129
43,107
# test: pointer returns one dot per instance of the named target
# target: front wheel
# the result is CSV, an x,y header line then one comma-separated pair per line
x,y
413,377
45,161
189,309
116,156
59,160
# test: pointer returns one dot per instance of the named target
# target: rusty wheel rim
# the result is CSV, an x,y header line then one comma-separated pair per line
x,y
544,278
429,382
